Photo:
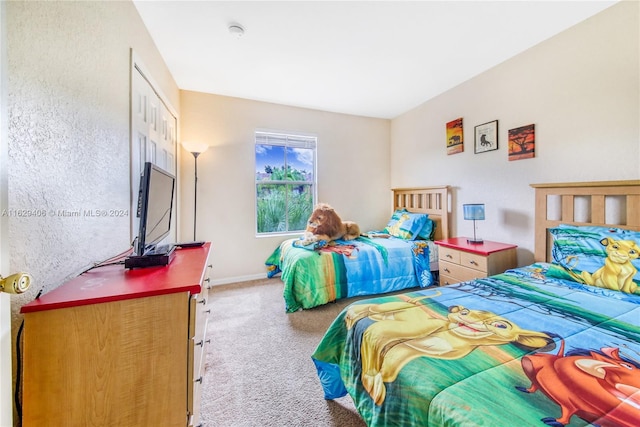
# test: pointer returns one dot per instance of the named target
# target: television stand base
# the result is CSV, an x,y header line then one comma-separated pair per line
x,y
151,260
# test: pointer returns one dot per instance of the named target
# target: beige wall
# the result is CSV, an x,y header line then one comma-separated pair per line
x,y
353,173
69,137
68,103
580,89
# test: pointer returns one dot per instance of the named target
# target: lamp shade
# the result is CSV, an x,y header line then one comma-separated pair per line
x,y
474,211
194,147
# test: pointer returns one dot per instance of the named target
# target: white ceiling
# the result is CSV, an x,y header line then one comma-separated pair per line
x,y
368,58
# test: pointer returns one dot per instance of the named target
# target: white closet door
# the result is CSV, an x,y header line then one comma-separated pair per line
x,y
140,123
153,137
166,142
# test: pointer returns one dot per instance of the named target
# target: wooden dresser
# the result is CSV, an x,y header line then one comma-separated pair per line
x,y
460,261
117,347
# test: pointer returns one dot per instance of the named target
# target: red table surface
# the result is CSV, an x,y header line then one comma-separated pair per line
x,y
115,283
485,248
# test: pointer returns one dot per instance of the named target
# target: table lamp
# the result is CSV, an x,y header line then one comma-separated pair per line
x,y
475,212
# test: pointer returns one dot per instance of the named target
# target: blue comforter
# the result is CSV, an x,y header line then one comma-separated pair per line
x,y
365,266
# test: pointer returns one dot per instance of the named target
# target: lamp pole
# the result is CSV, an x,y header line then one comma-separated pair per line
x,y
475,239
195,148
195,192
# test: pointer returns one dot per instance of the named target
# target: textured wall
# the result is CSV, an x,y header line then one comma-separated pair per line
x,y
68,73
69,141
68,104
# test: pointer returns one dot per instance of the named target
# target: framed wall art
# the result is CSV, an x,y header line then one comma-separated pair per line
x,y
522,142
455,142
486,137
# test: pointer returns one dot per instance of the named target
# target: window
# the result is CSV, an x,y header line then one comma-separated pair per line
x,y
285,181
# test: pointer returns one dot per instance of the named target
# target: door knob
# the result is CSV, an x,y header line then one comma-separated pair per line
x,y
16,283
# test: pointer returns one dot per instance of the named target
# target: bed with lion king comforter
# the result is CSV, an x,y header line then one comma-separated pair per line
x,y
529,347
315,276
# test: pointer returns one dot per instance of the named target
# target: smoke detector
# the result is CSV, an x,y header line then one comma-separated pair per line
x,y
236,30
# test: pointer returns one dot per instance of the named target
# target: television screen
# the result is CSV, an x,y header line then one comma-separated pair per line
x,y
155,206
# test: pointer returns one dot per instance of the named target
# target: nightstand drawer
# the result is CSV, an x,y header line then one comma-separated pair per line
x,y
448,254
447,280
475,261
459,272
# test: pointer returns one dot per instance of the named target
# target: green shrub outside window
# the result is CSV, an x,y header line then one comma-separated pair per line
x,y
285,181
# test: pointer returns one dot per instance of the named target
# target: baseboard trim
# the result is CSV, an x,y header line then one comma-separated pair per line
x,y
227,280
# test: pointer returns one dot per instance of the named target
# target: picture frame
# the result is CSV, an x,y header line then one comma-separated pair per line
x,y
486,137
455,137
522,142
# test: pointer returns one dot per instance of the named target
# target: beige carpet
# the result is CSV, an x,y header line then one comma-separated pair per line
x,y
258,369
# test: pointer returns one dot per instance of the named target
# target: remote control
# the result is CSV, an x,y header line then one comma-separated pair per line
x,y
189,244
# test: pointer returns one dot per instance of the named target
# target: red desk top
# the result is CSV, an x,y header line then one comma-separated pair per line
x,y
485,248
115,283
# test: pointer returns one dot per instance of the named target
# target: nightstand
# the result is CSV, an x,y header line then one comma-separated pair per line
x,y
460,261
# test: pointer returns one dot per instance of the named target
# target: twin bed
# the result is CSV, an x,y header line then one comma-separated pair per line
x,y
369,265
546,344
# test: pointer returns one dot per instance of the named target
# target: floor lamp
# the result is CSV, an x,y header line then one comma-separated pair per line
x,y
195,148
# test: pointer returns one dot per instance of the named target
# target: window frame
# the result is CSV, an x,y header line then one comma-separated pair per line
x,y
287,140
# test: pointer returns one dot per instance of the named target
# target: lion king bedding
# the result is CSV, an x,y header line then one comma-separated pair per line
x,y
519,348
365,266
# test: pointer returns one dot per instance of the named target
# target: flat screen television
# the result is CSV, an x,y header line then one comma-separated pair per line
x,y
155,207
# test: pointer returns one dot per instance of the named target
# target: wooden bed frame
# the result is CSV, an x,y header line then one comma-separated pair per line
x,y
596,195
433,201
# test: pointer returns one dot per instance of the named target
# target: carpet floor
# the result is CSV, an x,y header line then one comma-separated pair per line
x,y
258,368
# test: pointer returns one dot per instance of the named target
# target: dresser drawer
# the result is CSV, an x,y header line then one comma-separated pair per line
x,y
197,350
446,279
448,254
458,272
199,311
198,343
474,261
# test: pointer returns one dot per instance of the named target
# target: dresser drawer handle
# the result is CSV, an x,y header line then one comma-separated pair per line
x,y
199,380
203,302
203,342
207,311
473,262
448,256
446,270
208,279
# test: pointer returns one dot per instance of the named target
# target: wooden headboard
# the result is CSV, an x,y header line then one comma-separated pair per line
x,y
600,201
433,201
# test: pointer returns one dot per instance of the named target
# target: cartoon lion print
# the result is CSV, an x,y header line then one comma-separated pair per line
x,y
403,331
